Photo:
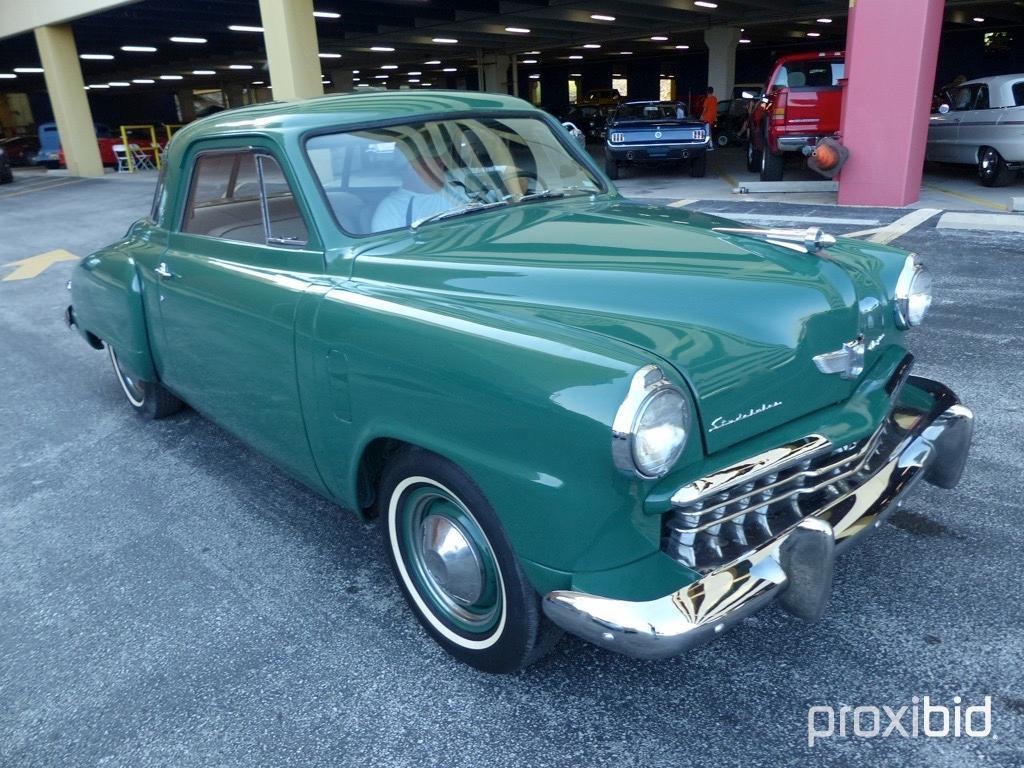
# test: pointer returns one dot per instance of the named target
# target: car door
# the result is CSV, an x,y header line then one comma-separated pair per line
x,y
977,125
238,261
944,127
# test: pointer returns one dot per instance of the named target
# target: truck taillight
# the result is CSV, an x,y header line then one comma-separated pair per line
x,y
779,108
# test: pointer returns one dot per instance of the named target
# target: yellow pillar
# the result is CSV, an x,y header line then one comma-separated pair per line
x,y
59,55
289,32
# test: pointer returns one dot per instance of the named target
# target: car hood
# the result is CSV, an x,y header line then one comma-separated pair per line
x,y
740,319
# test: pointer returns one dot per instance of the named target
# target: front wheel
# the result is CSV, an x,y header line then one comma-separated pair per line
x,y
992,169
455,566
149,399
753,157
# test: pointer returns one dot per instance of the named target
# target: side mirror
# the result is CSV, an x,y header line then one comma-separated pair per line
x,y
943,109
747,95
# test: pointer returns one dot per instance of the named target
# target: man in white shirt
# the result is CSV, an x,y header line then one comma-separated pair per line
x,y
422,194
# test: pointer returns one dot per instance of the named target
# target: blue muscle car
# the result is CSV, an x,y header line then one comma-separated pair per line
x,y
655,132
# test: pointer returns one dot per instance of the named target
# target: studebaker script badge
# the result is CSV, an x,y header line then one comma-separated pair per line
x,y
721,421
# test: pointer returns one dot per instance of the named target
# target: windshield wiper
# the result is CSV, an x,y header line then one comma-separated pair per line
x,y
551,194
453,212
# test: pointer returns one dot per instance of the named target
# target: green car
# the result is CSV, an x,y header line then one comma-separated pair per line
x,y
569,411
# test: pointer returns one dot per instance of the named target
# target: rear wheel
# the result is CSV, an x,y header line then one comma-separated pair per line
x,y
147,398
992,169
455,566
771,164
699,166
753,157
723,139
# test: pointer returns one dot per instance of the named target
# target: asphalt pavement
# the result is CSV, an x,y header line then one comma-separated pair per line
x,y
169,598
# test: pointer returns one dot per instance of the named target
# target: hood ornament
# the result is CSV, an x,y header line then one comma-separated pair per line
x,y
847,361
800,240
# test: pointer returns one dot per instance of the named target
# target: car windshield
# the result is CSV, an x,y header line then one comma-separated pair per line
x,y
648,112
379,179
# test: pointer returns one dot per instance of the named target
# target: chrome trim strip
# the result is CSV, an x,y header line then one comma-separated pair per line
x,y
686,144
935,450
810,239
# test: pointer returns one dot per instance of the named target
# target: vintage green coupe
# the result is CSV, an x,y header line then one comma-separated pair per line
x,y
569,411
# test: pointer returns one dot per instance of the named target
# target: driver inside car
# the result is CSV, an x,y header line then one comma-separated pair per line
x,y
423,193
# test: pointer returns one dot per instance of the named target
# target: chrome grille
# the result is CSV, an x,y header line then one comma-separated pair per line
x,y
723,517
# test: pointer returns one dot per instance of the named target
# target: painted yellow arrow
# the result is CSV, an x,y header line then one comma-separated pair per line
x,y
33,266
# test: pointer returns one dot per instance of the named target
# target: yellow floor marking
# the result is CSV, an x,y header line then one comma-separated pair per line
x,y
728,179
969,198
33,266
680,203
39,187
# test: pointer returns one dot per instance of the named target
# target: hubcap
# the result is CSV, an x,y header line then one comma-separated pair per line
x,y
133,388
988,161
450,560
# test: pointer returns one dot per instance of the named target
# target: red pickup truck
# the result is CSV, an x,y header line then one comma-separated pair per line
x,y
801,103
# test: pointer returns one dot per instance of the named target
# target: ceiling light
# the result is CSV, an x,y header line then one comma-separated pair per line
x,y
413,80
244,28
531,53
580,74
119,83
99,85
432,62
682,47
28,70
625,53
357,79
616,74
824,21
659,38
96,56
197,40
814,34
449,69
257,82
979,19
575,58
744,40
355,71
7,76
240,66
529,61
705,4
518,30
171,77
426,85
363,85
382,48
414,73
143,81
138,48
389,66
601,17
326,15
203,72
445,40
592,45
329,55
535,77
381,77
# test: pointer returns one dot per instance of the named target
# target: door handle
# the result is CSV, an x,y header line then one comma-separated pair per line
x,y
163,271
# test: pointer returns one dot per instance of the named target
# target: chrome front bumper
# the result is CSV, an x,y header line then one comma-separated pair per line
x,y
795,567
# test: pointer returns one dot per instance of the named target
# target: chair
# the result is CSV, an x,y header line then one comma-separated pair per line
x,y
122,158
140,159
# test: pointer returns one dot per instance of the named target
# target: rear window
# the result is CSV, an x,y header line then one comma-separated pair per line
x,y
810,74
1018,93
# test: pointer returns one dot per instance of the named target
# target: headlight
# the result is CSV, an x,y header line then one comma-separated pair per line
x,y
913,293
651,425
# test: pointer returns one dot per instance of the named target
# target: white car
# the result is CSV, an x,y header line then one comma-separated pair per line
x,y
981,123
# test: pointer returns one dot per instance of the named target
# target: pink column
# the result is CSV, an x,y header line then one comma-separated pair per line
x,y
891,50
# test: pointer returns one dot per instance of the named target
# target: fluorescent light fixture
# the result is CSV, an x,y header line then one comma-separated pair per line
x,y
531,53
682,47
414,80
576,58
592,45
979,19
414,73
7,75
257,82
824,21
98,85
28,70
244,28
96,56
625,53
363,85
389,66
193,40
240,66
138,48
426,85
705,4
601,17
444,40
744,40
814,34
518,30
326,15
529,61
449,69
143,81
118,84
171,77
535,77
381,77
357,79
659,38
580,74
382,48
432,62
203,72
329,55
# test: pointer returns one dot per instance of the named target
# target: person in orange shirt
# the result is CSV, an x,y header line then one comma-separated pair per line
x,y
709,112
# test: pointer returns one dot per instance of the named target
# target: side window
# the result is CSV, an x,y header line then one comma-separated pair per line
x,y
1018,93
156,211
243,197
284,220
981,100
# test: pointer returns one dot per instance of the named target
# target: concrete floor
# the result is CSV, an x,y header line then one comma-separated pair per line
x,y
169,598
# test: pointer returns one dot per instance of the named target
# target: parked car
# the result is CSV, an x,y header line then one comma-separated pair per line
x,y
590,119
6,175
602,97
802,103
569,410
20,150
578,136
653,133
979,123
733,115
51,155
